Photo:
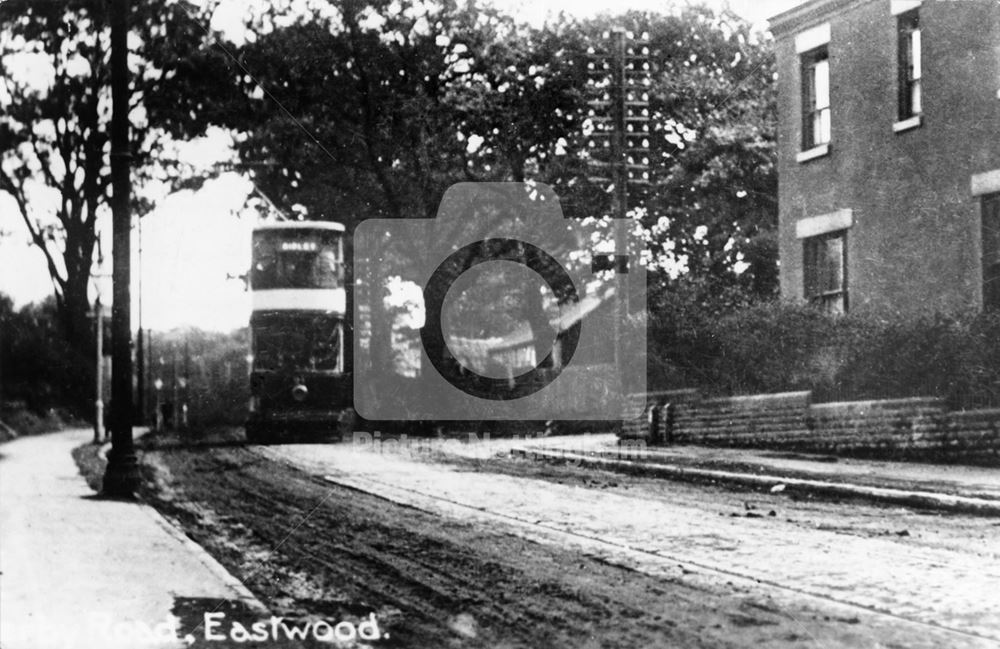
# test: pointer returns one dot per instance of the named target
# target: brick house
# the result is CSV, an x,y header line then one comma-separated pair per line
x,y
889,153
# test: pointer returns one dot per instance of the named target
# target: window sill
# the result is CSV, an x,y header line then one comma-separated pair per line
x,y
817,297
813,153
907,124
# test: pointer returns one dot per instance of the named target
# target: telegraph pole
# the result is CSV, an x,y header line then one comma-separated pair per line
x,y
121,479
620,171
619,143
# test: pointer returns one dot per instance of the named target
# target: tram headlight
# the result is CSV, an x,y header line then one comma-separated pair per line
x,y
300,392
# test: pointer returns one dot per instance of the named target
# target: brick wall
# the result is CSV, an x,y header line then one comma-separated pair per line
x,y
915,240
915,428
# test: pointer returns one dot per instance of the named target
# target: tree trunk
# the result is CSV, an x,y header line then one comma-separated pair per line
x,y
75,311
78,368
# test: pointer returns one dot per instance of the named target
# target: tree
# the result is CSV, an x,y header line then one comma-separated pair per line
x,y
374,113
54,111
373,110
39,368
714,208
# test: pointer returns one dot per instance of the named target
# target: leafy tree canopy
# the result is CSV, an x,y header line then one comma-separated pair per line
x,y
373,109
55,107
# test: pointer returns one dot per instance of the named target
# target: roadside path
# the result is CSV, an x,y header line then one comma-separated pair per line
x,y
77,571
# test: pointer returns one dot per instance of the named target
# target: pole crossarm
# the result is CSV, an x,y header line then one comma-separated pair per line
x,y
617,125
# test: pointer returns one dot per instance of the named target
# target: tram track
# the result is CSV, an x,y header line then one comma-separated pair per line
x,y
439,573
666,563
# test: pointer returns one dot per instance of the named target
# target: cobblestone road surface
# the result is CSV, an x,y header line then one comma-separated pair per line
x,y
940,584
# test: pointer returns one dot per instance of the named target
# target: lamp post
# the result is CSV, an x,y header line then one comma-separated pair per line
x,y
184,381
121,478
140,351
99,385
158,415
148,377
184,406
175,407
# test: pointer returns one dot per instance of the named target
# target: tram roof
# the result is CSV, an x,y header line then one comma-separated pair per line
x,y
301,225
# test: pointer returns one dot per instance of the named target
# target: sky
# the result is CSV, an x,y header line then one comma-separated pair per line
x,y
195,244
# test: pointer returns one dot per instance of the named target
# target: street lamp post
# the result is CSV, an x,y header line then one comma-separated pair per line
x,y
184,406
140,351
175,408
158,415
99,385
185,382
148,376
121,478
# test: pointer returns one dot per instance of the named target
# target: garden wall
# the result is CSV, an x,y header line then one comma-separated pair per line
x,y
914,428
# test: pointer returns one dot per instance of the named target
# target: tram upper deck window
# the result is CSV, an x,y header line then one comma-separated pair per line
x,y
297,258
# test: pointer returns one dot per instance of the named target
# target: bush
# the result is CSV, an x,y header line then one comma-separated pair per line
x,y
953,356
16,420
777,347
37,365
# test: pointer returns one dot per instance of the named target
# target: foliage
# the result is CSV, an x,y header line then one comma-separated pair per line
x,y
16,420
375,110
37,366
360,109
40,369
55,106
776,347
714,106
952,355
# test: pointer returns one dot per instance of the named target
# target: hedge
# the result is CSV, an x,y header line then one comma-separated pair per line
x,y
778,347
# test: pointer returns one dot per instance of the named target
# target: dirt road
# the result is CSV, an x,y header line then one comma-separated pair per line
x,y
440,567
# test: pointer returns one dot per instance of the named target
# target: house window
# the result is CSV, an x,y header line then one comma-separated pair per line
x,y
825,258
815,98
991,251
909,72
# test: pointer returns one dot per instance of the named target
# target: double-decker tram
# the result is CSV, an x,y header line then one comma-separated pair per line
x,y
298,380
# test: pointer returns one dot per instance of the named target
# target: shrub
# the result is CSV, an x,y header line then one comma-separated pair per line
x,y
953,356
37,365
777,347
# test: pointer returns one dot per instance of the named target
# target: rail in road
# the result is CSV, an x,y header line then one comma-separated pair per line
x,y
948,595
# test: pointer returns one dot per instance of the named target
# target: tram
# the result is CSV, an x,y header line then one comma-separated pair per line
x,y
299,383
